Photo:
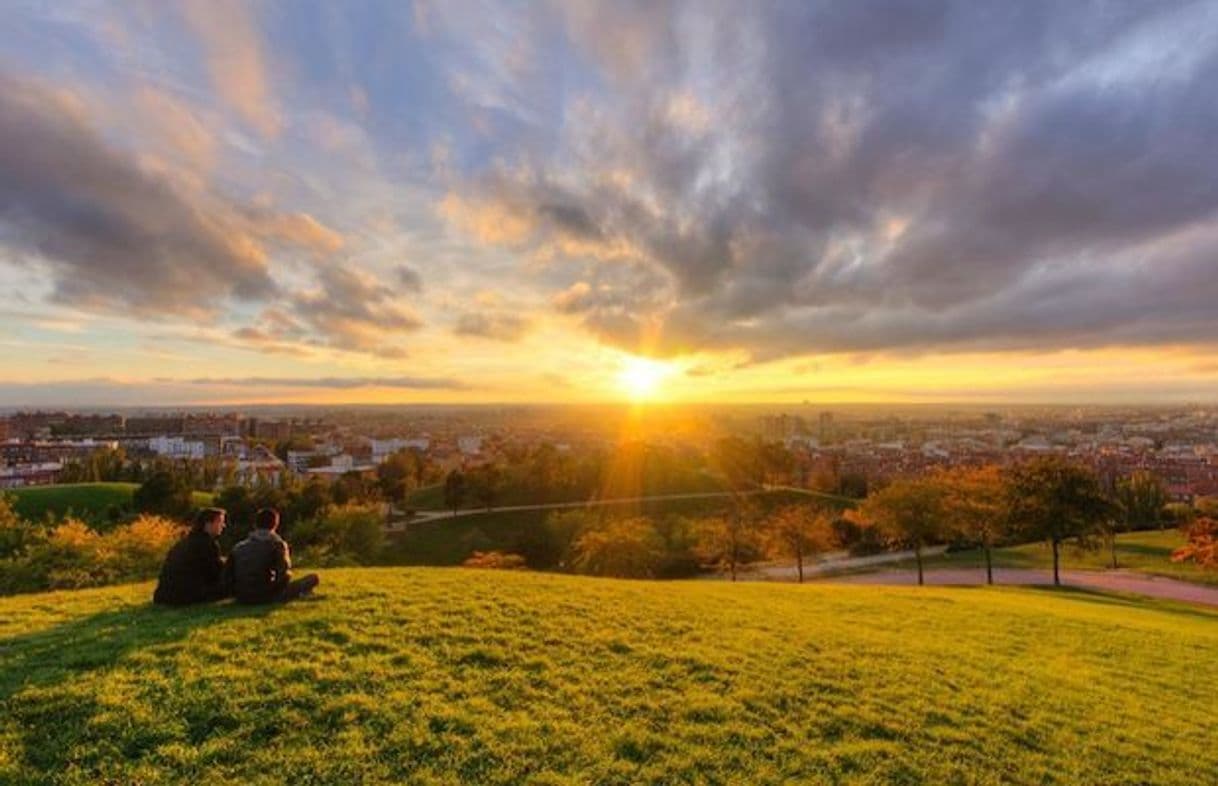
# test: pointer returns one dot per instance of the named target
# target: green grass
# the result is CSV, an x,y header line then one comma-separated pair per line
x,y
450,541
432,497
1138,552
90,501
456,676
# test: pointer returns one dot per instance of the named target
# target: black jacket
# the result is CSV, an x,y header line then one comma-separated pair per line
x,y
261,567
193,572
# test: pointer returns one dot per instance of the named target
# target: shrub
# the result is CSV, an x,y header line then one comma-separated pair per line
x,y
342,535
627,548
495,560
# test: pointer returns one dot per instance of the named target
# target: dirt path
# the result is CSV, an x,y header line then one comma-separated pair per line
x,y
1114,581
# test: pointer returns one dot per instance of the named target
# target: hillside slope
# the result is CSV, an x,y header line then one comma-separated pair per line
x,y
449,675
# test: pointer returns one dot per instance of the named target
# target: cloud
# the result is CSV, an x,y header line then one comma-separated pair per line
x,y
337,383
349,310
118,234
410,279
831,178
232,45
498,326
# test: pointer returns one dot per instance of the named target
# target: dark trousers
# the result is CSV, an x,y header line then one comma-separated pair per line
x,y
298,588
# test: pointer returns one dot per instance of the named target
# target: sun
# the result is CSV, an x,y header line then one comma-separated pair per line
x,y
641,378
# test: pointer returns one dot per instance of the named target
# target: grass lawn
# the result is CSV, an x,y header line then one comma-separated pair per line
x,y
456,676
432,497
1140,552
89,501
450,541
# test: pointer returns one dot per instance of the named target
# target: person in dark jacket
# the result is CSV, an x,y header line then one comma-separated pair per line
x,y
194,569
261,565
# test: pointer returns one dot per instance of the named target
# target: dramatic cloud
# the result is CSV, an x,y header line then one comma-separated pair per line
x,y
493,325
350,310
836,177
118,234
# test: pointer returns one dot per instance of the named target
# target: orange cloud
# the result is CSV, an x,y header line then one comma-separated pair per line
x,y
235,60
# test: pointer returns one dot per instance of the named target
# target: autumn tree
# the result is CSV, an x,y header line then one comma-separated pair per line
x,y
909,514
798,531
1202,546
729,541
1052,499
974,507
626,548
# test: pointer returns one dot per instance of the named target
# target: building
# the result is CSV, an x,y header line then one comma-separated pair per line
x,y
384,448
469,446
177,447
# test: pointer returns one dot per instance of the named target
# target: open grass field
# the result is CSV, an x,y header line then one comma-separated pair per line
x,y
458,676
1140,552
90,501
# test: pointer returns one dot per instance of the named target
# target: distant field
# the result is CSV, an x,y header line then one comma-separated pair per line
x,y
90,501
1141,552
453,676
450,541
432,497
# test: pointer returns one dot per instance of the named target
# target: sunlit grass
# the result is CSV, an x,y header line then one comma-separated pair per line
x,y
456,676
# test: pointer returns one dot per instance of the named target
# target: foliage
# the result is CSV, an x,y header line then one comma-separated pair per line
x,y
974,501
625,548
495,560
454,490
165,494
797,532
455,676
346,534
1141,496
72,555
1052,499
910,514
729,541
1202,546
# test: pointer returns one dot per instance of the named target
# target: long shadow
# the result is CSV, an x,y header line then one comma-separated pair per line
x,y
1129,600
55,726
99,640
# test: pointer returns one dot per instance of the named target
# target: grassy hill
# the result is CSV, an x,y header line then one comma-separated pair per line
x,y
457,676
90,501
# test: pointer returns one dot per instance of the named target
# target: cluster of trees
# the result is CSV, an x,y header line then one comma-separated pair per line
x,y
1046,499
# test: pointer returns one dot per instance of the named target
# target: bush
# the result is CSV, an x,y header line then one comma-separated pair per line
x,y
495,560
73,555
627,548
351,534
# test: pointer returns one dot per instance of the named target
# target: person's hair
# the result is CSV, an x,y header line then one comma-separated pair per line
x,y
207,516
266,518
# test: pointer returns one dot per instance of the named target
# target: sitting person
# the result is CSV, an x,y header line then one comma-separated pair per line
x,y
261,565
194,570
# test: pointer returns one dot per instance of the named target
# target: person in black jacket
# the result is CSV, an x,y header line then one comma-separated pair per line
x,y
194,569
261,565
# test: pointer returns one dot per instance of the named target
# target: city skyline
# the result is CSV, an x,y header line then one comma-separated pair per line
x,y
227,203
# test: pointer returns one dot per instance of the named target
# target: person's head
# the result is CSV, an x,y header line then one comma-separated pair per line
x,y
267,518
211,520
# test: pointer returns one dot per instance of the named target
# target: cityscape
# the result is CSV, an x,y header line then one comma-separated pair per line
x,y
608,392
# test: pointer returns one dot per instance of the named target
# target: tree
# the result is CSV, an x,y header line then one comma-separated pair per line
x,y
484,484
1050,498
1202,546
454,490
909,513
626,548
1142,497
974,498
165,494
798,531
729,541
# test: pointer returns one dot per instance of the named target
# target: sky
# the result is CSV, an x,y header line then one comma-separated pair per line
x,y
212,201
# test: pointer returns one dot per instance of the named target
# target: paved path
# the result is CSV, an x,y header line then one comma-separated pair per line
x,y
1112,581
832,562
